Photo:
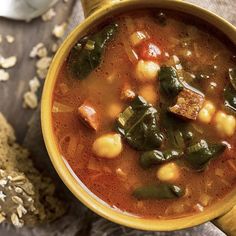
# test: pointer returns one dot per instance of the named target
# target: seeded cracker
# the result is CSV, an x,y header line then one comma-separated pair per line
x,y
26,197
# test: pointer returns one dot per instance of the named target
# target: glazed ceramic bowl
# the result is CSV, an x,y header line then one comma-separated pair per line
x,y
96,11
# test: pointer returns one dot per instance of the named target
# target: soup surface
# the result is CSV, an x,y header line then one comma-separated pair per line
x,y
143,111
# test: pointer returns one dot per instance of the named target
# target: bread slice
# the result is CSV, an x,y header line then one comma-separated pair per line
x,y
26,196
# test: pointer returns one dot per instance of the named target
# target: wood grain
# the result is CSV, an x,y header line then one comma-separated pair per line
x,y
26,36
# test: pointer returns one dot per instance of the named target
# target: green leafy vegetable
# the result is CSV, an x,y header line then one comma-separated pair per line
x,y
139,125
162,191
87,54
199,154
169,81
178,131
155,157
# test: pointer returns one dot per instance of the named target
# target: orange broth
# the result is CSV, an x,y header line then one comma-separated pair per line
x,y
113,180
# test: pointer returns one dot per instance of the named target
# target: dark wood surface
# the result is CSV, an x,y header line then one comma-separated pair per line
x,y
28,35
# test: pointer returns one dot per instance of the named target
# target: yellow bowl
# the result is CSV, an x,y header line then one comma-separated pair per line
x,y
101,9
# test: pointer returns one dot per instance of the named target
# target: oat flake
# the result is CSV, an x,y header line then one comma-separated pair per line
x,y
43,63
2,218
59,30
7,62
30,100
16,221
42,73
42,52
35,49
17,200
48,15
21,211
10,39
54,47
34,84
3,182
2,196
4,76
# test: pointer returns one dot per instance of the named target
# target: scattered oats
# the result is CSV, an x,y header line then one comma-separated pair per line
x,y
34,84
35,49
43,63
30,100
10,188
18,190
10,39
48,15
54,47
21,211
7,62
59,30
3,182
16,221
42,52
4,76
17,200
2,196
42,74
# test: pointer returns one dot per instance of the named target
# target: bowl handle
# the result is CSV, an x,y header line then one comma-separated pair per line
x,y
91,6
227,222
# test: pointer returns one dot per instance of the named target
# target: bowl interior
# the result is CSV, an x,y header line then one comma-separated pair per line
x,y
63,169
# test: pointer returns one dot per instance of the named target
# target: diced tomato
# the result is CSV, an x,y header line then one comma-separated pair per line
x,y
149,51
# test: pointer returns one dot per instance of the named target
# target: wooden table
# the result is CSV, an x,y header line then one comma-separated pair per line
x,y
28,35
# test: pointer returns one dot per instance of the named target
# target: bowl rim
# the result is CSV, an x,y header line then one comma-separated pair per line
x,y
72,183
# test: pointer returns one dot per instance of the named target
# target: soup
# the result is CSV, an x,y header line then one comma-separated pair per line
x,y
144,113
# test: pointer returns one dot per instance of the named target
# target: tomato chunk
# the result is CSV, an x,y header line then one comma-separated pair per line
x,y
149,51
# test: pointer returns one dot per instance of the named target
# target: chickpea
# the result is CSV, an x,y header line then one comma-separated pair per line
x,y
225,124
149,93
108,146
206,113
169,172
146,70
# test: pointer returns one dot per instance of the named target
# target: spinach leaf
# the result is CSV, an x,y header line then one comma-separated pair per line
x,y
87,53
230,91
178,131
161,191
138,124
199,154
155,157
170,84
